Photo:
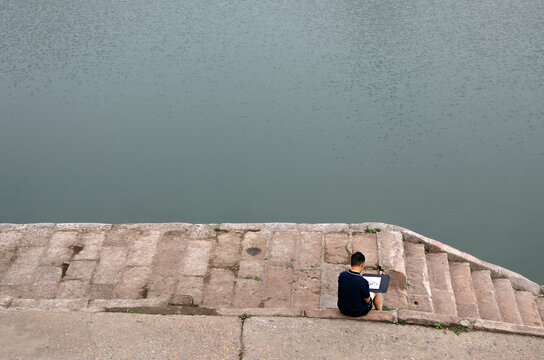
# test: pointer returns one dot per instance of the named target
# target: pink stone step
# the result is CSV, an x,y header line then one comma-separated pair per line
x,y
528,309
417,278
368,245
465,297
440,280
506,300
485,293
391,258
540,306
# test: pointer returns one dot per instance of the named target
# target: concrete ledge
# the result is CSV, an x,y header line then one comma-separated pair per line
x,y
383,316
426,318
126,303
82,226
260,312
502,327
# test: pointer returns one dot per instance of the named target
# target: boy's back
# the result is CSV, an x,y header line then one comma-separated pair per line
x,y
352,290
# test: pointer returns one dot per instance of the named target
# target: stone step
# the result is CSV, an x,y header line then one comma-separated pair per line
x,y
465,297
417,278
528,309
440,280
485,293
540,306
391,258
506,299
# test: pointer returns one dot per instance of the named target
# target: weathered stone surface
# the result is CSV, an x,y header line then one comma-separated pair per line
x,y
5,301
92,245
503,327
391,258
283,246
528,309
169,255
10,239
60,248
540,306
111,264
310,249
485,293
219,290
199,231
368,245
196,258
56,256
251,268
81,270
181,300
37,234
440,280
73,289
248,293
50,304
82,226
192,286
227,250
329,285
118,235
129,303
307,289
336,248
277,293
6,255
142,249
465,297
101,291
427,319
508,305
133,283
391,251
240,226
325,228
373,315
283,312
255,240
64,239
22,269
46,282
417,278
161,286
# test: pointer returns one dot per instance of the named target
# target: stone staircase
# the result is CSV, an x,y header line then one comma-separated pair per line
x,y
257,269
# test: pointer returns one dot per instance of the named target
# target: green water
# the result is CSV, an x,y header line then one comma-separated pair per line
x,y
424,114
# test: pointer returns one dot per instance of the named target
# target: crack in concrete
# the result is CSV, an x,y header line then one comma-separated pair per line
x,y
242,349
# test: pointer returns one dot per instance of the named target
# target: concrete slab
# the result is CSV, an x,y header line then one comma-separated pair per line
x,y
79,335
303,338
132,336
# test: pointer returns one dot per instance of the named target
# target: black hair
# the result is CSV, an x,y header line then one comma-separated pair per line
x,y
357,259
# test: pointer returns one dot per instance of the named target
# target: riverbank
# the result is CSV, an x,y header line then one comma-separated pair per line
x,y
271,269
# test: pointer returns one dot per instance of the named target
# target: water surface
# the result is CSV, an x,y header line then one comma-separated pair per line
x,y
425,114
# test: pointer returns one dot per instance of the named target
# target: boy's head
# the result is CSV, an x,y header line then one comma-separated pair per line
x,y
357,259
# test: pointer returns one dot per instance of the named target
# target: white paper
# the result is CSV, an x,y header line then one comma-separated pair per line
x,y
373,282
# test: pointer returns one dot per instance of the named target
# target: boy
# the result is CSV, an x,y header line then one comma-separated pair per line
x,y
354,296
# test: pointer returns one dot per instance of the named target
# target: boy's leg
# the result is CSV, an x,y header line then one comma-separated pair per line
x,y
377,300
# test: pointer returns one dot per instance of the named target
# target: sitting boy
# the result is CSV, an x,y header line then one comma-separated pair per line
x,y
354,296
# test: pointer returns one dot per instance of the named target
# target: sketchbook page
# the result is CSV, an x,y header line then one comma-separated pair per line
x,y
373,282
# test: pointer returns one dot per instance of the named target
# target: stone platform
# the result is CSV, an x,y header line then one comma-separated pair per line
x,y
256,269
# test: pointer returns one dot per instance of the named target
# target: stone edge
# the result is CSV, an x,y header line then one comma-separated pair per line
x,y
395,316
